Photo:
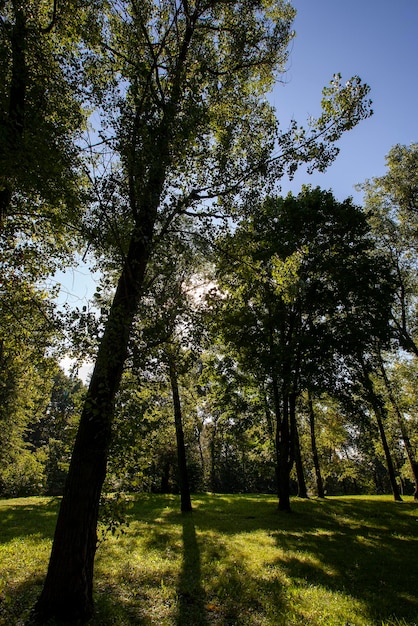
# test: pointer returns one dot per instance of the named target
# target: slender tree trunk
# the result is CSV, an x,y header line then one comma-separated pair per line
x,y
186,504
202,458
302,490
165,478
282,449
213,464
318,476
379,410
405,437
389,462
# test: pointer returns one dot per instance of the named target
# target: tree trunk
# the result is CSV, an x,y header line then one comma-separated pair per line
x,y
405,437
389,462
318,476
67,593
15,120
186,504
165,478
379,410
302,490
282,449
213,457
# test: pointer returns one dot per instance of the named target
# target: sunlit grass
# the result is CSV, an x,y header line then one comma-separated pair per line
x,y
235,560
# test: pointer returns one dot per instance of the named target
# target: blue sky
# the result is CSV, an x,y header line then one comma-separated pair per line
x,y
375,39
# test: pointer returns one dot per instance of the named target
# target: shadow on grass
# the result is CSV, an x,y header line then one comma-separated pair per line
x,y
368,550
361,549
36,515
191,597
186,569
16,601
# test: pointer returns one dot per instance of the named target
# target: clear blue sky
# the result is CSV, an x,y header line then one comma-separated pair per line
x,y
378,41
375,39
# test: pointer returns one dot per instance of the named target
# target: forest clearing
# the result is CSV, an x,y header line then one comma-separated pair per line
x,y
234,560
241,328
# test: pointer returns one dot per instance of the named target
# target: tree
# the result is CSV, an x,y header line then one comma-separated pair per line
x,y
396,407
303,288
191,124
54,431
28,331
41,187
391,203
169,328
237,439
378,405
41,109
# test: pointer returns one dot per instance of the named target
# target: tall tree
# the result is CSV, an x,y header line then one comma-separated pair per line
x,y
191,124
403,427
391,203
378,405
41,108
318,475
303,288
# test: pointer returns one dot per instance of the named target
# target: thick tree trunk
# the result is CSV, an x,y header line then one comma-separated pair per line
x,y
186,503
67,593
318,476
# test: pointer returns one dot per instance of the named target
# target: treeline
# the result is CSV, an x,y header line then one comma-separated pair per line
x,y
307,307
240,341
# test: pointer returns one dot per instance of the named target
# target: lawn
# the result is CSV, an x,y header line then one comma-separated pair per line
x,y
346,561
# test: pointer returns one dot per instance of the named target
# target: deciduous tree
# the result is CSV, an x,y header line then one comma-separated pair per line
x,y
190,123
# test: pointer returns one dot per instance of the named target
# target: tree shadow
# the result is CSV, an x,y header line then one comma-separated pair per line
x,y
40,517
191,596
352,547
198,574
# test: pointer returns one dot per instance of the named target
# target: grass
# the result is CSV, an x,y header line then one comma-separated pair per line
x,y
346,561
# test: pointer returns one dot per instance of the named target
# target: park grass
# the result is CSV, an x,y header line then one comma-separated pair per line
x,y
345,561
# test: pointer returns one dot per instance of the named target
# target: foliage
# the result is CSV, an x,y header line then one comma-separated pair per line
x,y
303,294
391,203
39,417
41,101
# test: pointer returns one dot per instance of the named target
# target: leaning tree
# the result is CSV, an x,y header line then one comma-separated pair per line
x,y
186,120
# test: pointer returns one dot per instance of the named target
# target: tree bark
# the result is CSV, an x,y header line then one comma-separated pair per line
x,y
67,592
318,476
282,444
186,504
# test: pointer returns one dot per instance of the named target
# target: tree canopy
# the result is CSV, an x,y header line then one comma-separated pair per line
x,y
140,133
